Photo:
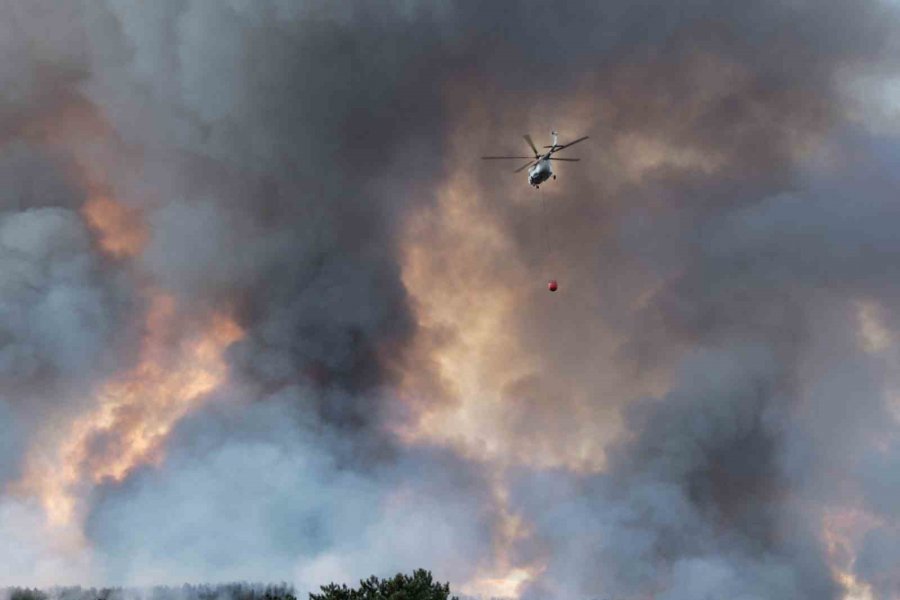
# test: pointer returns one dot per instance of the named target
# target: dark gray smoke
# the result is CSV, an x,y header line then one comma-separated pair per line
x,y
727,220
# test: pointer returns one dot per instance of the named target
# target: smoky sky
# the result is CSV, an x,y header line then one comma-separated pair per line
x,y
722,242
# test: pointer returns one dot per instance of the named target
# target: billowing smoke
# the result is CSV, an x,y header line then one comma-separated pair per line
x,y
265,316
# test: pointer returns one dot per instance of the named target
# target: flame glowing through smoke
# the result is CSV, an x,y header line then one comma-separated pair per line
x,y
842,532
133,412
119,229
464,366
470,377
137,410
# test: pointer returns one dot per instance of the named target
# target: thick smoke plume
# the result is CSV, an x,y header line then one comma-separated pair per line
x,y
265,316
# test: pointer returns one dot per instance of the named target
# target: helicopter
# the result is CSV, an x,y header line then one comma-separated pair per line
x,y
540,170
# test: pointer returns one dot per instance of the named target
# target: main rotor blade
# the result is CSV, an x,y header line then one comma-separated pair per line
x,y
568,159
530,143
504,157
571,143
525,166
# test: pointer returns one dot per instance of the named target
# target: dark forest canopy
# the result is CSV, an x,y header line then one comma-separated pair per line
x,y
419,586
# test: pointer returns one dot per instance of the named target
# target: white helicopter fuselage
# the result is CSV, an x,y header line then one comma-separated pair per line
x,y
540,172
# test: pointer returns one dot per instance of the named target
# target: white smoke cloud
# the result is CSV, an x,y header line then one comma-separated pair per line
x,y
244,494
34,555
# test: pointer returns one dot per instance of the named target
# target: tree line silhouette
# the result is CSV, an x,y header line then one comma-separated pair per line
x,y
418,586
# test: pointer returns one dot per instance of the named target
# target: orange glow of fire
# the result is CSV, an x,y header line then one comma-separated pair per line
x,y
121,233
458,385
120,229
473,368
462,273
842,531
463,364
853,589
507,586
179,361
135,412
79,130
504,578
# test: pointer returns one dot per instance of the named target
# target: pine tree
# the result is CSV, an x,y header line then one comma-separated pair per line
x,y
419,586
